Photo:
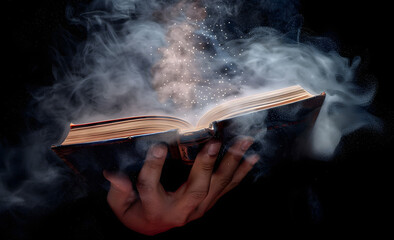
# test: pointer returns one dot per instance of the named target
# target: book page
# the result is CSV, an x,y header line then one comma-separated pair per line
x,y
118,128
253,103
133,126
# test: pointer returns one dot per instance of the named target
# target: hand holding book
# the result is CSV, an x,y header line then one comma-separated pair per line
x,y
176,182
103,145
154,210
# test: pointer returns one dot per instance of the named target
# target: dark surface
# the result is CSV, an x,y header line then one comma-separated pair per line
x,y
351,189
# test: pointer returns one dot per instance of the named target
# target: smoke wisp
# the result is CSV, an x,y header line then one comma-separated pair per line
x,y
180,58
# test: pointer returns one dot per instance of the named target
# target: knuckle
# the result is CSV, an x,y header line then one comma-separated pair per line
x,y
144,186
207,166
235,154
154,164
198,195
224,181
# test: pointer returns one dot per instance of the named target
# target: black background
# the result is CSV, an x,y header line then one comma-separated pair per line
x,y
352,187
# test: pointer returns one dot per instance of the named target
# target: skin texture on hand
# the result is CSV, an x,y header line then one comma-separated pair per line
x,y
154,210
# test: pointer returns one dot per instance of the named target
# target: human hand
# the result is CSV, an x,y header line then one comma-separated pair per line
x,y
154,210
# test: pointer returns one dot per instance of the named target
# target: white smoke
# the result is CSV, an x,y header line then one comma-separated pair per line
x,y
181,58
271,61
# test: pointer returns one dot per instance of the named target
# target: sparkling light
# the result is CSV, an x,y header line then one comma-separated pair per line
x,y
185,77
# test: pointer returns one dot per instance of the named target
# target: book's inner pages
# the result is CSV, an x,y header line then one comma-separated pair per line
x,y
253,103
105,130
133,126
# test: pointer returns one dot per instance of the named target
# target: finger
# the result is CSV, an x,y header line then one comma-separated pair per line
x,y
148,183
197,185
234,154
238,176
226,170
121,193
230,163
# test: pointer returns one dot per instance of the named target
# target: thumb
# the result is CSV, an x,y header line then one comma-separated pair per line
x,y
121,193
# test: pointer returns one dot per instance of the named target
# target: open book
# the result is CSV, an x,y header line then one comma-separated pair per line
x,y
133,126
280,117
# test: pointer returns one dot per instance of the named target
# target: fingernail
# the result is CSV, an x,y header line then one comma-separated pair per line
x,y
253,159
159,151
246,143
214,148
